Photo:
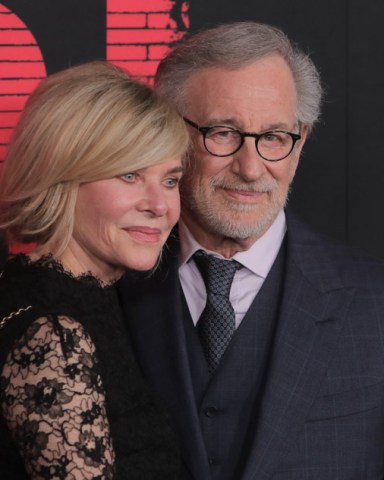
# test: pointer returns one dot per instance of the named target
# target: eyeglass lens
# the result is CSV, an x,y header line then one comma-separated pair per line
x,y
224,141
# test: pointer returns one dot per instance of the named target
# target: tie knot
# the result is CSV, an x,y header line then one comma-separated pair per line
x,y
217,273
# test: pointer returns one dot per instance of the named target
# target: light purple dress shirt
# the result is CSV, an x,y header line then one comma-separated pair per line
x,y
256,262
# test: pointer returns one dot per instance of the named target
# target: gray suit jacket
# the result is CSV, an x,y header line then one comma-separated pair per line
x,y
321,411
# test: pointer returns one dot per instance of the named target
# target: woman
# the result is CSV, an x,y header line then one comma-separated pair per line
x,y
91,180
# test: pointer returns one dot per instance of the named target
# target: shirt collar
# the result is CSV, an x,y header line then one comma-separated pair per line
x,y
258,259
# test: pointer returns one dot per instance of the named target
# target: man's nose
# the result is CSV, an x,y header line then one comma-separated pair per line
x,y
247,162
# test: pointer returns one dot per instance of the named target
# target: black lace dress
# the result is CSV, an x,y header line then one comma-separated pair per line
x,y
73,403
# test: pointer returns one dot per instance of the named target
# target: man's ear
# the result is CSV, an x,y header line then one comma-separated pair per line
x,y
297,149
304,134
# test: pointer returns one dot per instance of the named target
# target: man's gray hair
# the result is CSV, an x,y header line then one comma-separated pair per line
x,y
233,46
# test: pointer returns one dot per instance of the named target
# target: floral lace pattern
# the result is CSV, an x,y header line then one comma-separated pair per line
x,y
54,402
49,261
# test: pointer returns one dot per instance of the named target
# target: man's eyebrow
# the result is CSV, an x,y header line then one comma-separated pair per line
x,y
219,121
276,126
234,123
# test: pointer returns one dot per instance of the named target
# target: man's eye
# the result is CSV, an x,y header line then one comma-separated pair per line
x,y
270,137
222,135
129,177
275,138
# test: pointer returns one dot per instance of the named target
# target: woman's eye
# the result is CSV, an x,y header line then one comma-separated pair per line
x,y
129,177
171,182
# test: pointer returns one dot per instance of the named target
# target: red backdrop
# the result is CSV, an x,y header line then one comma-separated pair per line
x,y
137,35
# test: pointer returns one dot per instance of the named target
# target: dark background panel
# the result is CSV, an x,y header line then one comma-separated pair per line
x,y
366,125
68,32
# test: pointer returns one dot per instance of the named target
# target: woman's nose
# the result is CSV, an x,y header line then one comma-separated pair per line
x,y
154,200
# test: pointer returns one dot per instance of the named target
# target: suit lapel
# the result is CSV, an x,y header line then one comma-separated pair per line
x,y
154,309
312,314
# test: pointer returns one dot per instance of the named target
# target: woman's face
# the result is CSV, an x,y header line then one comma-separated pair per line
x,y
124,221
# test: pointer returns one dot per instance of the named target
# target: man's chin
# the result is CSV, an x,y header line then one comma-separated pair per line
x,y
252,228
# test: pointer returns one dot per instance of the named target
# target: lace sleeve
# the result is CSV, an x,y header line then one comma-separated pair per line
x,y
54,402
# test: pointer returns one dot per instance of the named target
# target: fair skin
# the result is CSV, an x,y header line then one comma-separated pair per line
x,y
123,222
228,203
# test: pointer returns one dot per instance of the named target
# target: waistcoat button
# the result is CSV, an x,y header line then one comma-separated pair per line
x,y
212,460
211,411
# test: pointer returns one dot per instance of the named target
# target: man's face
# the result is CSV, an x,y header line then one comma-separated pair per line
x,y
239,196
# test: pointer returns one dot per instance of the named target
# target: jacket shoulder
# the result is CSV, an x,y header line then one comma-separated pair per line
x,y
312,250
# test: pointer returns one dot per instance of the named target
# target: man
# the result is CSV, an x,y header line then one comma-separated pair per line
x,y
283,379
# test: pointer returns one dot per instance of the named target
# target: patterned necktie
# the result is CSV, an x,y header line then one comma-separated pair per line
x,y
216,324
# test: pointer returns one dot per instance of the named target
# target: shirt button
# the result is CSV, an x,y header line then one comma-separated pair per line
x,y
211,411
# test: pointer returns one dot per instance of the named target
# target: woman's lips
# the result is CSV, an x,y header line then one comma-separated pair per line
x,y
144,234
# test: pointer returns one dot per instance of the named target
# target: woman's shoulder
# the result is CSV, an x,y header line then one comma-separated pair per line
x,y
51,389
46,287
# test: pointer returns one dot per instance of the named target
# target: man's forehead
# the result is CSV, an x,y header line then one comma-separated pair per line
x,y
261,95
223,70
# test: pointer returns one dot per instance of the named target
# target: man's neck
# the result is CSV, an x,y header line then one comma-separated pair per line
x,y
225,246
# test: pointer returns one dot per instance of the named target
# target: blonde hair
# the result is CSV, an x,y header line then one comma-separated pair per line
x,y
83,124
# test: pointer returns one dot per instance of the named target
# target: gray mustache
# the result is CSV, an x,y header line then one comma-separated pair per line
x,y
254,187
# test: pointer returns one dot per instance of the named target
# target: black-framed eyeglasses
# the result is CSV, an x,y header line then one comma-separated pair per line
x,y
222,141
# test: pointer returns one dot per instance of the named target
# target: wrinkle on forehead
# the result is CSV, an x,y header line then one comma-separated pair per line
x,y
257,97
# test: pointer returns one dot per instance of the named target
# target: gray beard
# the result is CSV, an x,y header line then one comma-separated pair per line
x,y
223,223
